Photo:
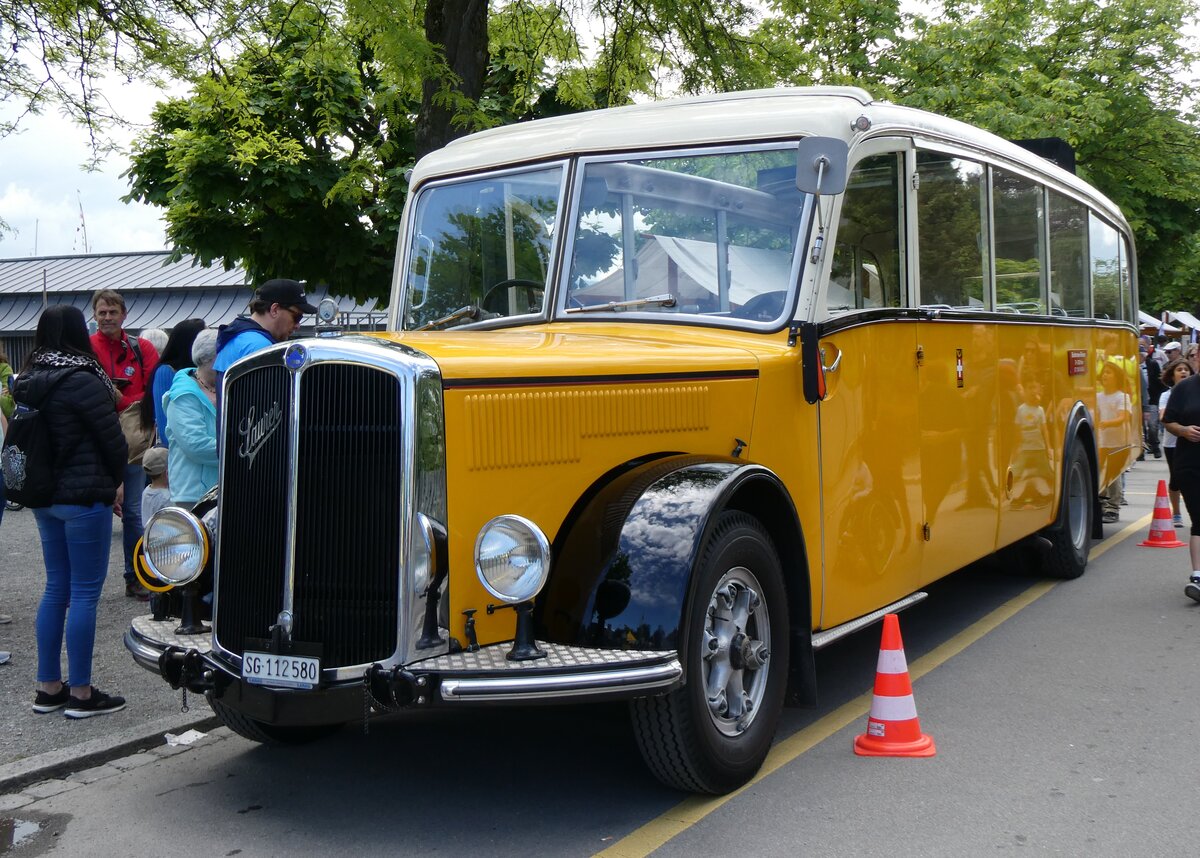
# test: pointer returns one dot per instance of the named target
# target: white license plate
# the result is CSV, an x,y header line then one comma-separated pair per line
x,y
288,671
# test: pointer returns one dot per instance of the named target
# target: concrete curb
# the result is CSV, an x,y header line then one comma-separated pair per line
x,y
65,761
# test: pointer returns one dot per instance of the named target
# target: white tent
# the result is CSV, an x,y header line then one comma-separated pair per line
x,y
1185,318
687,269
1149,321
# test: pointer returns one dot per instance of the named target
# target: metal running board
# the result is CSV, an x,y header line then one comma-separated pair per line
x,y
825,638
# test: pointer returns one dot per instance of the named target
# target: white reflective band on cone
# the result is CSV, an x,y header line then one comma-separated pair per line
x,y
891,661
893,708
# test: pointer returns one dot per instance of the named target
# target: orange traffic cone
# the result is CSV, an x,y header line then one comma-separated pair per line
x,y
892,727
1162,530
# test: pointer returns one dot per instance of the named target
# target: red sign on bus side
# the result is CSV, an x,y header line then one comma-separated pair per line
x,y
1077,362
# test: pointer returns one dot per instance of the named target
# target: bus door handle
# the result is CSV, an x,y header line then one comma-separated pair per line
x,y
836,363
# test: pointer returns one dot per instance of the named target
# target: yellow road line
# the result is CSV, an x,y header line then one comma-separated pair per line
x,y
642,841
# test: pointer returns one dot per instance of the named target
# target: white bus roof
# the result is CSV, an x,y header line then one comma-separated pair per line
x,y
755,115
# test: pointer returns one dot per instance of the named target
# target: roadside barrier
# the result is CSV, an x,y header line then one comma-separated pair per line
x,y
1162,528
893,729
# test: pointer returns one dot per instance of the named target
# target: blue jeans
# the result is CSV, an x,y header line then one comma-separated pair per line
x,y
131,515
75,544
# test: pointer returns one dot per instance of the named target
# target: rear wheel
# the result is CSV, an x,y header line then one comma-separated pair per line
x,y
712,734
1071,534
270,734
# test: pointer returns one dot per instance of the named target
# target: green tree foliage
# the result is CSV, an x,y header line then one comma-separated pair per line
x,y
289,151
1109,78
289,158
286,158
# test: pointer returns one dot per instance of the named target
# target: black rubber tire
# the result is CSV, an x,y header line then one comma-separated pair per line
x,y
270,734
680,742
1071,534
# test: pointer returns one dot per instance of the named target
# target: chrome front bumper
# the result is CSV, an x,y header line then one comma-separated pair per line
x,y
566,673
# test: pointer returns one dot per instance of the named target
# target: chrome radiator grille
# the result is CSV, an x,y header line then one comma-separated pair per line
x,y
348,503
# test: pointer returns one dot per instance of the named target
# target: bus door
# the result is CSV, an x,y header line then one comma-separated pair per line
x,y
957,393
957,354
870,448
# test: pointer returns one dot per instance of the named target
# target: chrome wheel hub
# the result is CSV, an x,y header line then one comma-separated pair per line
x,y
737,629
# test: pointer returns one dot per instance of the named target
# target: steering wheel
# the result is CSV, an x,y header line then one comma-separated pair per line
x,y
491,300
762,308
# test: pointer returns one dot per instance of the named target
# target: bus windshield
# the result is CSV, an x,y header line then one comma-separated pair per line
x,y
481,249
703,234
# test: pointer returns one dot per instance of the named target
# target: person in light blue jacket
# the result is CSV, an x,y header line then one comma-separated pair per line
x,y
176,355
191,408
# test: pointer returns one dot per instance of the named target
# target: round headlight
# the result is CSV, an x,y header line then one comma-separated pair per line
x,y
512,558
176,546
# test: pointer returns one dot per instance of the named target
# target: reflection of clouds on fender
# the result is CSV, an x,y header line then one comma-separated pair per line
x,y
660,533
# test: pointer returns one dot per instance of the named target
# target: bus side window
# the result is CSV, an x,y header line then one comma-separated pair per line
x,y
951,202
1106,272
866,268
1017,212
1068,257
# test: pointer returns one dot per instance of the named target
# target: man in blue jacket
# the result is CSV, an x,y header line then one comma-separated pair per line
x,y
275,312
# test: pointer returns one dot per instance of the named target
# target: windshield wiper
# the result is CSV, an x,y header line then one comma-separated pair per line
x,y
656,300
470,312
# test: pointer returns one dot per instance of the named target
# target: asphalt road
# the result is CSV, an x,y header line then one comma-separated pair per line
x,y
22,579
1064,716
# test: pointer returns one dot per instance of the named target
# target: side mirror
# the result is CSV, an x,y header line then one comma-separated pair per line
x,y
822,165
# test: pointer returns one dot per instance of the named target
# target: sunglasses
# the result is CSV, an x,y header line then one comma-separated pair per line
x,y
296,315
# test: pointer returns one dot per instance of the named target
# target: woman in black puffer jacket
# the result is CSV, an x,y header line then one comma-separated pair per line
x,y
65,382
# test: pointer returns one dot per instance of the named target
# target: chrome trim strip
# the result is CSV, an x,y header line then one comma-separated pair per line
x,y
293,489
145,655
650,677
825,638
857,318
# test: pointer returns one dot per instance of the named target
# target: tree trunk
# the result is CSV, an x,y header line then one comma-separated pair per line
x,y
458,28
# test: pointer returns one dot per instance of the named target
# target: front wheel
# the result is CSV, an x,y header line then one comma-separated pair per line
x,y
270,734
712,734
1071,534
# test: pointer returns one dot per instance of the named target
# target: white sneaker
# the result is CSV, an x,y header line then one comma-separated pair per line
x,y
5,619
4,656
1177,519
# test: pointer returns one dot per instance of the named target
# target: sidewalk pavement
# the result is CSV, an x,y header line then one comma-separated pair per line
x,y
38,748
34,747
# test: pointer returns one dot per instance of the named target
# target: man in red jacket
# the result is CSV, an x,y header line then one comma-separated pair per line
x,y
129,362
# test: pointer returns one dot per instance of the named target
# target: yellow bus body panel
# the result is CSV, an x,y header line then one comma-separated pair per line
x,y
920,460
535,417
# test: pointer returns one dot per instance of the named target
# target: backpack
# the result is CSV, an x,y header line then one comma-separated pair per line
x,y
27,459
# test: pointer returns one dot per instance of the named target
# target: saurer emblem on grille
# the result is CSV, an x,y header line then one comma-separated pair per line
x,y
256,430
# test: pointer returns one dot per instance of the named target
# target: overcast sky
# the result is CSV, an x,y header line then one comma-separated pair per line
x,y
43,187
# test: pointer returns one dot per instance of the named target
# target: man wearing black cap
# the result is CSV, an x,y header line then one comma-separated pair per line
x,y
275,312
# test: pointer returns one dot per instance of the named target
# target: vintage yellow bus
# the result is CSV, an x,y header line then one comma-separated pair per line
x,y
674,395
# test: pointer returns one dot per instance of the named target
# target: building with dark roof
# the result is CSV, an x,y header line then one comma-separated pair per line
x,y
158,293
